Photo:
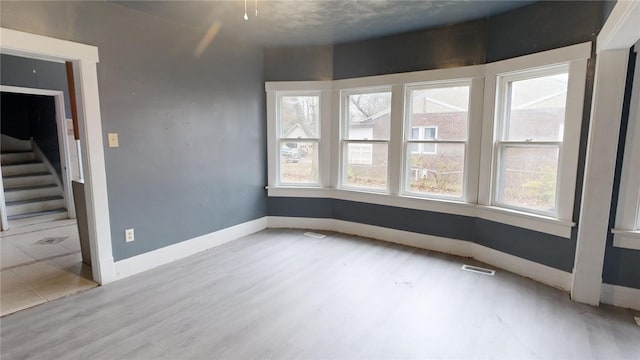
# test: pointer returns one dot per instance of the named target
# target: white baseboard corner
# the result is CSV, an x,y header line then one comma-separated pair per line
x,y
147,261
530,269
621,296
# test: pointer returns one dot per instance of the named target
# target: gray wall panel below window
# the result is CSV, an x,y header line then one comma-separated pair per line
x,y
550,250
300,207
423,222
622,267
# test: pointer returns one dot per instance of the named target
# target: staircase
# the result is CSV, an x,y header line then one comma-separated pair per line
x,y
31,192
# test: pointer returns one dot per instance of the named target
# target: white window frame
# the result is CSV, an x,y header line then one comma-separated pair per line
x,y
627,226
407,138
500,144
275,92
344,141
284,140
559,223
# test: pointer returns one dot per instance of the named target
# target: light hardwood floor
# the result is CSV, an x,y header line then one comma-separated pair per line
x,y
279,294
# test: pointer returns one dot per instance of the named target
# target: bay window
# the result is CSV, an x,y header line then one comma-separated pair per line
x,y
497,141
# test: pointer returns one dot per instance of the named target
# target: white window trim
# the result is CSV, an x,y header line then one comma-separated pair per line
x,y
307,88
499,143
475,91
627,226
576,57
476,201
343,119
280,140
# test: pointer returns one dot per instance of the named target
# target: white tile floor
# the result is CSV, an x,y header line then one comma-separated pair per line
x,y
35,271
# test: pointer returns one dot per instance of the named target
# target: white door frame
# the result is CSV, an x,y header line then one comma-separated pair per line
x,y
84,58
63,144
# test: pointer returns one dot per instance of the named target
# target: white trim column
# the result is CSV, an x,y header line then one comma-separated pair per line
x,y
602,150
615,39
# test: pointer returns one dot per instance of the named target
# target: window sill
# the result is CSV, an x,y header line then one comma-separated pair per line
x,y
516,218
626,239
535,222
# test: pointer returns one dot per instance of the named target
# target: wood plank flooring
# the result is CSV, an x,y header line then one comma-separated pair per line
x,y
279,294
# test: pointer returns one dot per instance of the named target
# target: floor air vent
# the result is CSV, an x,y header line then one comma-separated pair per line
x,y
314,235
478,270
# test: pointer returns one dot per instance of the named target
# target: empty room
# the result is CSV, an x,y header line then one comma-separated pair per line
x,y
320,179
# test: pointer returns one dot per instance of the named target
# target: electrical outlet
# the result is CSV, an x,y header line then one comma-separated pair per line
x,y
128,235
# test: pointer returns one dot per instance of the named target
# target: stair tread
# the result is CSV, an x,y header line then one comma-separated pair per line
x,y
37,213
26,175
28,162
34,187
29,201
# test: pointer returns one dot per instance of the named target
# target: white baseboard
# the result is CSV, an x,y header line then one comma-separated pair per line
x,y
621,296
530,269
143,262
611,294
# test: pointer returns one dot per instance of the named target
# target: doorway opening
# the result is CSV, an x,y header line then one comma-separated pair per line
x,y
83,60
43,256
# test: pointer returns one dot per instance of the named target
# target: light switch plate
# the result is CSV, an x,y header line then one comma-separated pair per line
x,y
113,139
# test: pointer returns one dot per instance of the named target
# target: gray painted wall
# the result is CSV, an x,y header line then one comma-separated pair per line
x,y
449,46
34,73
192,155
542,26
303,63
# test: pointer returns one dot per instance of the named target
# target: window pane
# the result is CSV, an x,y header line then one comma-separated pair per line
x,y
527,177
298,162
366,166
299,116
536,109
368,116
443,108
440,173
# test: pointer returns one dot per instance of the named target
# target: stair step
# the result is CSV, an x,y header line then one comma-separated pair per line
x,y
11,182
16,157
31,192
22,169
34,205
37,218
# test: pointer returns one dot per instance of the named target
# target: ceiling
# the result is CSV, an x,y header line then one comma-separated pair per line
x,y
318,22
